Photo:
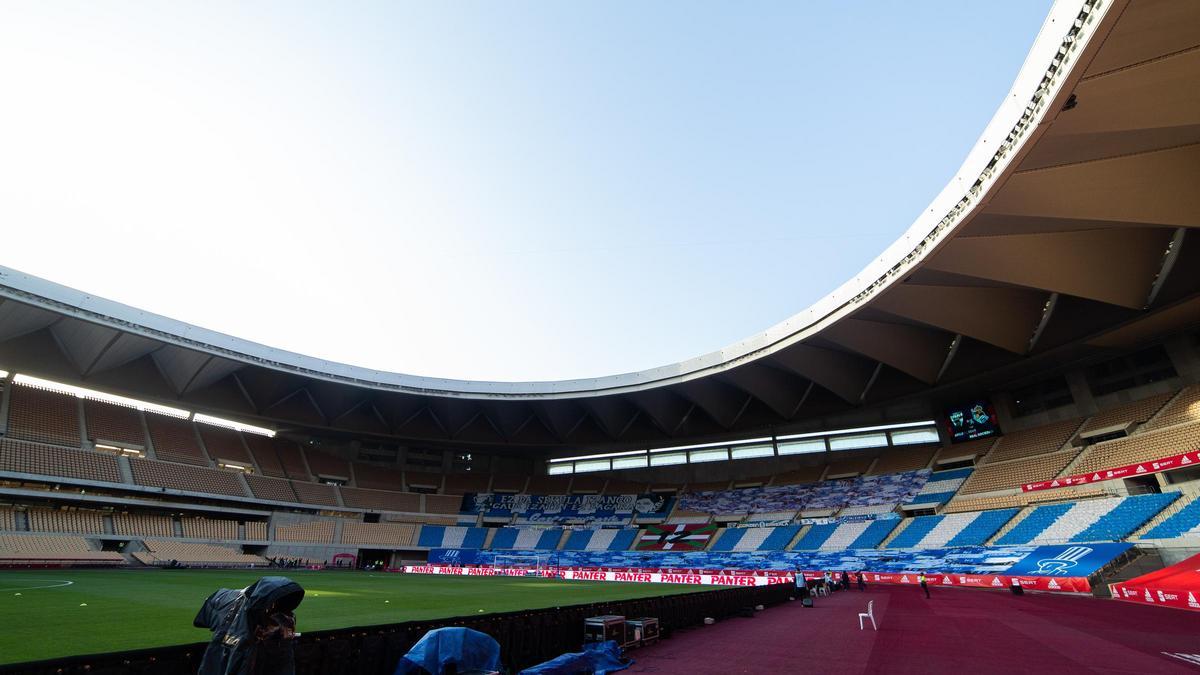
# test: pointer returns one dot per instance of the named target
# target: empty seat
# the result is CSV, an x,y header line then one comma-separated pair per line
x,y
315,493
1135,412
182,477
1184,408
896,460
224,444
256,530
379,534
1040,440
209,528
262,449
54,548
273,489
108,422
143,525
43,416
65,520
1008,475
378,477
324,464
25,457
1142,447
442,503
161,552
462,483
175,439
315,531
381,500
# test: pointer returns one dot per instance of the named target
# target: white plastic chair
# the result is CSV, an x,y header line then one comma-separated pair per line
x,y
870,614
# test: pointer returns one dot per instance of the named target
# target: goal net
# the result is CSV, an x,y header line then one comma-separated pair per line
x,y
532,565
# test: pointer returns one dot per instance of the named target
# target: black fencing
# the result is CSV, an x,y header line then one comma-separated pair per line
x,y
526,638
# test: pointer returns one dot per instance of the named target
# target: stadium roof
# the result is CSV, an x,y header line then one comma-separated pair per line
x,y
1068,231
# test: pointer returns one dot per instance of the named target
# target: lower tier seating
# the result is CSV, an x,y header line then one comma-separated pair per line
x,y
1108,519
601,540
162,551
526,538
382,534
68,549
756,538
436,536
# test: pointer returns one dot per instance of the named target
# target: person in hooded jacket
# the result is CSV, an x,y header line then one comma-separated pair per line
x,y
252,628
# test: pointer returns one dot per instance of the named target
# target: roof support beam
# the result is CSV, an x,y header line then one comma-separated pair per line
x,y
1003,317
1168,264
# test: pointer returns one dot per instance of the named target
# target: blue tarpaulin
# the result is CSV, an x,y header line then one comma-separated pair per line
x,y
597,658
464,648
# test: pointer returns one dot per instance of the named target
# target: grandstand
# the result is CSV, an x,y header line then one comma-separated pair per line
x,y
1015,381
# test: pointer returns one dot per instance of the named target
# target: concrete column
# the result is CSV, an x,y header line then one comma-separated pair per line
x,y
1183,353
1085,403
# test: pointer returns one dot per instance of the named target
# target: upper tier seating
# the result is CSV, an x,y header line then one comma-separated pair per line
x,y
436,536
526,538
1185,522
378,477
58,548
137,524
175,440
322,464
224,444
1091,520
601,540
114,423
901,459
1039,440
384,534
991,477
209,528
315,531
182,477
8,519
262,449
462,483
545,485
256,530
808,474
976,448
856,465
24,457
587,484
162,551
625,487
1137,412
381,500
889,489
60,520
315,493
756,538
1184,408
274,489
509,483
292,459
423,480
43,416
1145,447
448,504
941,486
1021,499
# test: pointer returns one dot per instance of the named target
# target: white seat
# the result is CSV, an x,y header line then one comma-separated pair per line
x,y
869,614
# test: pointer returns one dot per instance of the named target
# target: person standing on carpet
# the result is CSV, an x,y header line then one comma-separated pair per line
x,y
845,580
924,584
862,583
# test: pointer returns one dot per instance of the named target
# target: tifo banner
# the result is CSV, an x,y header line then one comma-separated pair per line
x,y
1141,468
1174,586
781,522
682,537
551,508
1067,560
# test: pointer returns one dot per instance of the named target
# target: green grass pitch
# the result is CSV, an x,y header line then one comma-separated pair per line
x,y
115,610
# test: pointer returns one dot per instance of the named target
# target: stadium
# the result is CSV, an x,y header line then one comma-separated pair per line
x,y
1001,414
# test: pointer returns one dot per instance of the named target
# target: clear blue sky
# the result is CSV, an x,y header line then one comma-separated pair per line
x,y
485,190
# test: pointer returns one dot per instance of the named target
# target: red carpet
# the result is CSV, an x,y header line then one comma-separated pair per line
x,y
957,632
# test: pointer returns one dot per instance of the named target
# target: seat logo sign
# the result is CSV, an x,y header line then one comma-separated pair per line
x,y
1065,560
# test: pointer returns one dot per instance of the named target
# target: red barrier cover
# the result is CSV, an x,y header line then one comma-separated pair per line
x,y
1155,466
1174,586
